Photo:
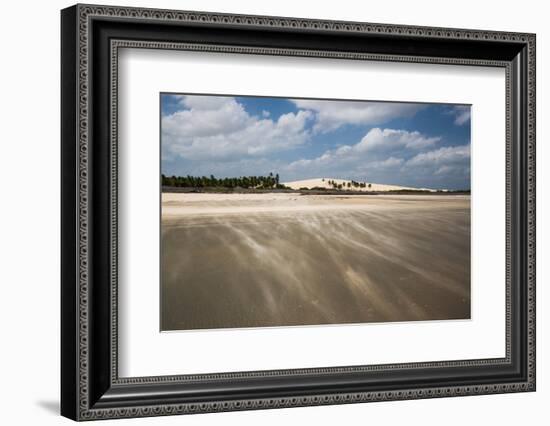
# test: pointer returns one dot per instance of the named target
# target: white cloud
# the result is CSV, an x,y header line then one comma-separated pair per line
x,y
330,116
461,113
447,169
372,145
442,156
388,139
215,127
388,163
206,116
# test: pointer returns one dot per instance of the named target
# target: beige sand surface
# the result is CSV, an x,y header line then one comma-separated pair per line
x,y
254,260
176,205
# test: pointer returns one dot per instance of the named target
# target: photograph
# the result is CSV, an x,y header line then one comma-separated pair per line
x,y
282,211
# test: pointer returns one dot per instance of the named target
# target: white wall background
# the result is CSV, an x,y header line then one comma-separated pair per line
x,y
29,213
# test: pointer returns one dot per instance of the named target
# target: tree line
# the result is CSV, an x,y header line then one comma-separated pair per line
x,y
350,184
257,182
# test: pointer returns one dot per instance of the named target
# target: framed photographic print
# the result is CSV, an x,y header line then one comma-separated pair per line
x,y
263,212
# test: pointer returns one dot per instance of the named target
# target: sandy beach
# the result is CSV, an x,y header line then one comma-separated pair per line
x,y
282,259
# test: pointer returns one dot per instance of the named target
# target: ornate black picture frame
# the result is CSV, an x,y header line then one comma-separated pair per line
x,y
91,387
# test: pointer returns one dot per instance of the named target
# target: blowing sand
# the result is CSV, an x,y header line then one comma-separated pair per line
x,y
252,260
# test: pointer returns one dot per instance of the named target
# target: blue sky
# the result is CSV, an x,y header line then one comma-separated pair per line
x,y
418,145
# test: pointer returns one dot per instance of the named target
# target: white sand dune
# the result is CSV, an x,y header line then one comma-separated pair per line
x,y
324,183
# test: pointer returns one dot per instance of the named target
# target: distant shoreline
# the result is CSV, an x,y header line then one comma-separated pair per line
x,y
223,190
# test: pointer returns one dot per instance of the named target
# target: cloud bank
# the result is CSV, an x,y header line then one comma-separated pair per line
x,y
220,128
330,116
462,114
